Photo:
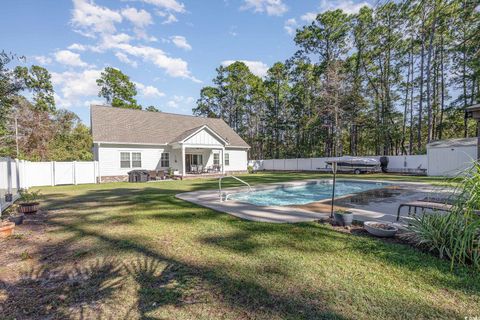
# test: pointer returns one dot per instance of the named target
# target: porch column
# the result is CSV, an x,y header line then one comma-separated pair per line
x,y
223,160
183,160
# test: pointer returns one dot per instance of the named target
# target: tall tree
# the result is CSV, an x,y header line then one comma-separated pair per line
x,y
117,89
38,80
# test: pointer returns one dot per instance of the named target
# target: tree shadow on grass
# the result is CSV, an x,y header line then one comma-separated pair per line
x,y
239,293
165,207
173,285
43,293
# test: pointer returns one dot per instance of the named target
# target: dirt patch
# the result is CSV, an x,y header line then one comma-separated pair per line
x,y
18,250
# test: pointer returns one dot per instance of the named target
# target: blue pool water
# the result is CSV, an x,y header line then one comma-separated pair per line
x,y
303,194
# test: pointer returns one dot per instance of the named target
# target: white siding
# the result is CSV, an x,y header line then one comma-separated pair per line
x,y
203,138
450,161
109,158
238,160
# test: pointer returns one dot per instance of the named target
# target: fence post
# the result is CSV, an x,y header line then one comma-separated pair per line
x,y
95,171
52,166
23,175
9,175
17,167
74,172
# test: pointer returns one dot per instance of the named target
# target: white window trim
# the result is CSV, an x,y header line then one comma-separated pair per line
x,y
218,154
225,158
129,159
164,160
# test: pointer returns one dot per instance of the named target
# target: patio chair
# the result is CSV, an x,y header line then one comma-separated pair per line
x,y
152,175
162,175
200,168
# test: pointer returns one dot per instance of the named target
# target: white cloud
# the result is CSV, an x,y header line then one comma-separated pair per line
x,y
125,59
174,67
139,18
181,42
75,86
309,17
112,40
258,68
90,18
69,58
149,91
170,5
44,60
169,17
290,26
181,102
348,6
77,46
271,7
94,21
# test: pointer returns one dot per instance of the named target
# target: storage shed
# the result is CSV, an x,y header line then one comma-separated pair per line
x,y
451,157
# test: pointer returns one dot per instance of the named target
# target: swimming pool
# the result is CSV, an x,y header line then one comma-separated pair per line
x,y
310,192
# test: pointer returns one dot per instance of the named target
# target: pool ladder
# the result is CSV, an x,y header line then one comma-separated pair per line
x,y
220,186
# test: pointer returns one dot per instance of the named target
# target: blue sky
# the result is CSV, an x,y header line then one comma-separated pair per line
x,y
169,48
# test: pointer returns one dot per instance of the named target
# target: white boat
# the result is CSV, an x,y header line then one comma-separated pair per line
x,y
356,165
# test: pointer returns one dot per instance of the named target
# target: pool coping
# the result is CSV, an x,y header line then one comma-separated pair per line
x,y
284,214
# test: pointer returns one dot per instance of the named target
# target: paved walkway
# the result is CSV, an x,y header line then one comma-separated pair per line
x,y
379,204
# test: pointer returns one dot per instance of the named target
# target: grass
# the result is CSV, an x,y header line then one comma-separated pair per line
x,y
135,251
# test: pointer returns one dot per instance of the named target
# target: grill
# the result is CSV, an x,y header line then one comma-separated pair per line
x,y
138,176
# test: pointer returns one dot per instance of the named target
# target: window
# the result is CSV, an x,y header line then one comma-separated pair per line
x,y
124,159
136,160
165,160
227,159
216,158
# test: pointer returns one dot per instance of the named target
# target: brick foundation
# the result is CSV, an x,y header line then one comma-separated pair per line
x,y
106,179
113,179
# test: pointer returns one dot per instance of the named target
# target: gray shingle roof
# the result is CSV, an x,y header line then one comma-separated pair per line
x,y
135,126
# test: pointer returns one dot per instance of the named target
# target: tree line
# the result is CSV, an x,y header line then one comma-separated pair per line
x,y
385,81
33,128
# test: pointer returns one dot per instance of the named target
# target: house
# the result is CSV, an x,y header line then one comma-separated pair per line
x,y
126,139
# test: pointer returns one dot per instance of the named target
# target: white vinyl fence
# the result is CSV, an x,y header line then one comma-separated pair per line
x,y
20,174
402,164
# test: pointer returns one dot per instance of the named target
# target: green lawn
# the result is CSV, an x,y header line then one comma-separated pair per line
x,y
131,251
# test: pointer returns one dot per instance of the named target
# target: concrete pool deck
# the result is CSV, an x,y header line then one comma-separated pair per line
x,y
377,204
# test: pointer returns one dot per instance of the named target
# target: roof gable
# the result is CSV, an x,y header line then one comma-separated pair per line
x,y
116,125
201,135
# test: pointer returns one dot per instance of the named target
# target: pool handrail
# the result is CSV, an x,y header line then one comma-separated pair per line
x,y
236,178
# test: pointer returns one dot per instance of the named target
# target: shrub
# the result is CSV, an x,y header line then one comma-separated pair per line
x,y
455,235
250,169
29,197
